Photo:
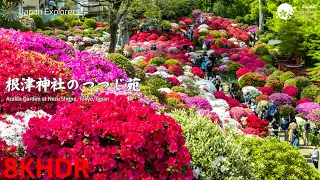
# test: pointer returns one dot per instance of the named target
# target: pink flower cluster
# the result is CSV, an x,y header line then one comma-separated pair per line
x,y
120,139
242,71
266,90
198,102
280,99
306,108
290,90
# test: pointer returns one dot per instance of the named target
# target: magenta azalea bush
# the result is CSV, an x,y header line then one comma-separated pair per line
x,y
314,116
306,108
280,99
198,102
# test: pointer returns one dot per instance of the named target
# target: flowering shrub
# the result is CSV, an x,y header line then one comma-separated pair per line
x,y
196,71
134,133
303,82
287,110
303,100
261,98
280,99
251,79
252,131
311,92
285,76
174,81
223,68
174,69
242,71
198,102
306,108
213,116
266,90
262,104
219,95
206,139
17,63
274,84
254,122
291,82
252,91
5,153
232,102
314,116
238,113
290,90
174,95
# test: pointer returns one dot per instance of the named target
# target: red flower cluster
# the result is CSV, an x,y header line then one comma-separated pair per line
x,y
255,122
174,81
219,95
120,139
174,95
196,71
242,71
5,153
174,69
231,102
262,97
290,90
304,100
266,90
17,63
251,131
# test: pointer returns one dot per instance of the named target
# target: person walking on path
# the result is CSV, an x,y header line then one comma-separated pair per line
x,y
204,46
209,68
295,138
285,128
275,127
203,67
306,132
315,157
292,126
271,110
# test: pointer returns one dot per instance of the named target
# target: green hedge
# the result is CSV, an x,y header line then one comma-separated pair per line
x,y
123,63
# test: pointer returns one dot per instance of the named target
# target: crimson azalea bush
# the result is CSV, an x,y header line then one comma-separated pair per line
x,y
266,90
304,100
253,121
280,99
174,81
251,131
5,153
196,71
120,139
290,90
174,69
17,63
242,71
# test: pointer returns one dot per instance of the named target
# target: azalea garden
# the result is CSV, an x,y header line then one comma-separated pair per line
x,y
177,125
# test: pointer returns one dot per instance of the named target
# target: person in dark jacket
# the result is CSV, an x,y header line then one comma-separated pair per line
x,y
285,128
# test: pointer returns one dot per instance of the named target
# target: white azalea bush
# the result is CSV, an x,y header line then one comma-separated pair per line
x,y
214,154
13,126
252,91
206,85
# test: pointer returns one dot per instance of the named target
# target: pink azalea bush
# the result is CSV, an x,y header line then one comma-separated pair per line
x,y
242,71
304,100
198,102
280,99
306,108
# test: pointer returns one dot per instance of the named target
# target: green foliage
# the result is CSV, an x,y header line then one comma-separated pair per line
x,y
69,18
267,58
15,24
275,85
56,22
172,61
123,63
251,79
301,116
268,66
213,152
302,83
315,72
261,51
233,67
275,160
311,92
192,88
89,23
76,23
173,101
291,82
178,89
166,25
269,71
285,76
37,20
277,73
157,82
157,61
287,110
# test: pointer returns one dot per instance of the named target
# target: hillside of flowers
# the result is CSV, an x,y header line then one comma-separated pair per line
x,y
178,125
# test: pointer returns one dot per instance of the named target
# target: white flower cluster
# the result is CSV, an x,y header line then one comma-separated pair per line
x,y
137,59
206,85
252,91
12,131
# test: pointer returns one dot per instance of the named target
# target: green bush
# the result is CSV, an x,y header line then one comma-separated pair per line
x,y
157,61
139,73
37,20
301,116
192,88
251,79
56,22
233,67
270,36
287,110
267,58
311,92
213,152
89,23
275,160
261,51
268,66
275,85
263,40
178,89
269,71
61,37
259,32
172,61
285,76
291,82
69,18
173,101
157,82
15,24
166,25
123,63
277,73
302,82
76,23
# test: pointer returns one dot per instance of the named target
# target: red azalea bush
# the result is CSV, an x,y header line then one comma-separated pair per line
x,y
242,71
304,100
174,81
232,102
266,90
219,95
290,90
174,69
196,71
120,139
255,122
238,113
251,131
174,95
5,153
261,98
17,63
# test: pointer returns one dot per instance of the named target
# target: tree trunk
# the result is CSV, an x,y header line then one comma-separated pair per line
x,y
113,37
125,33
261,15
